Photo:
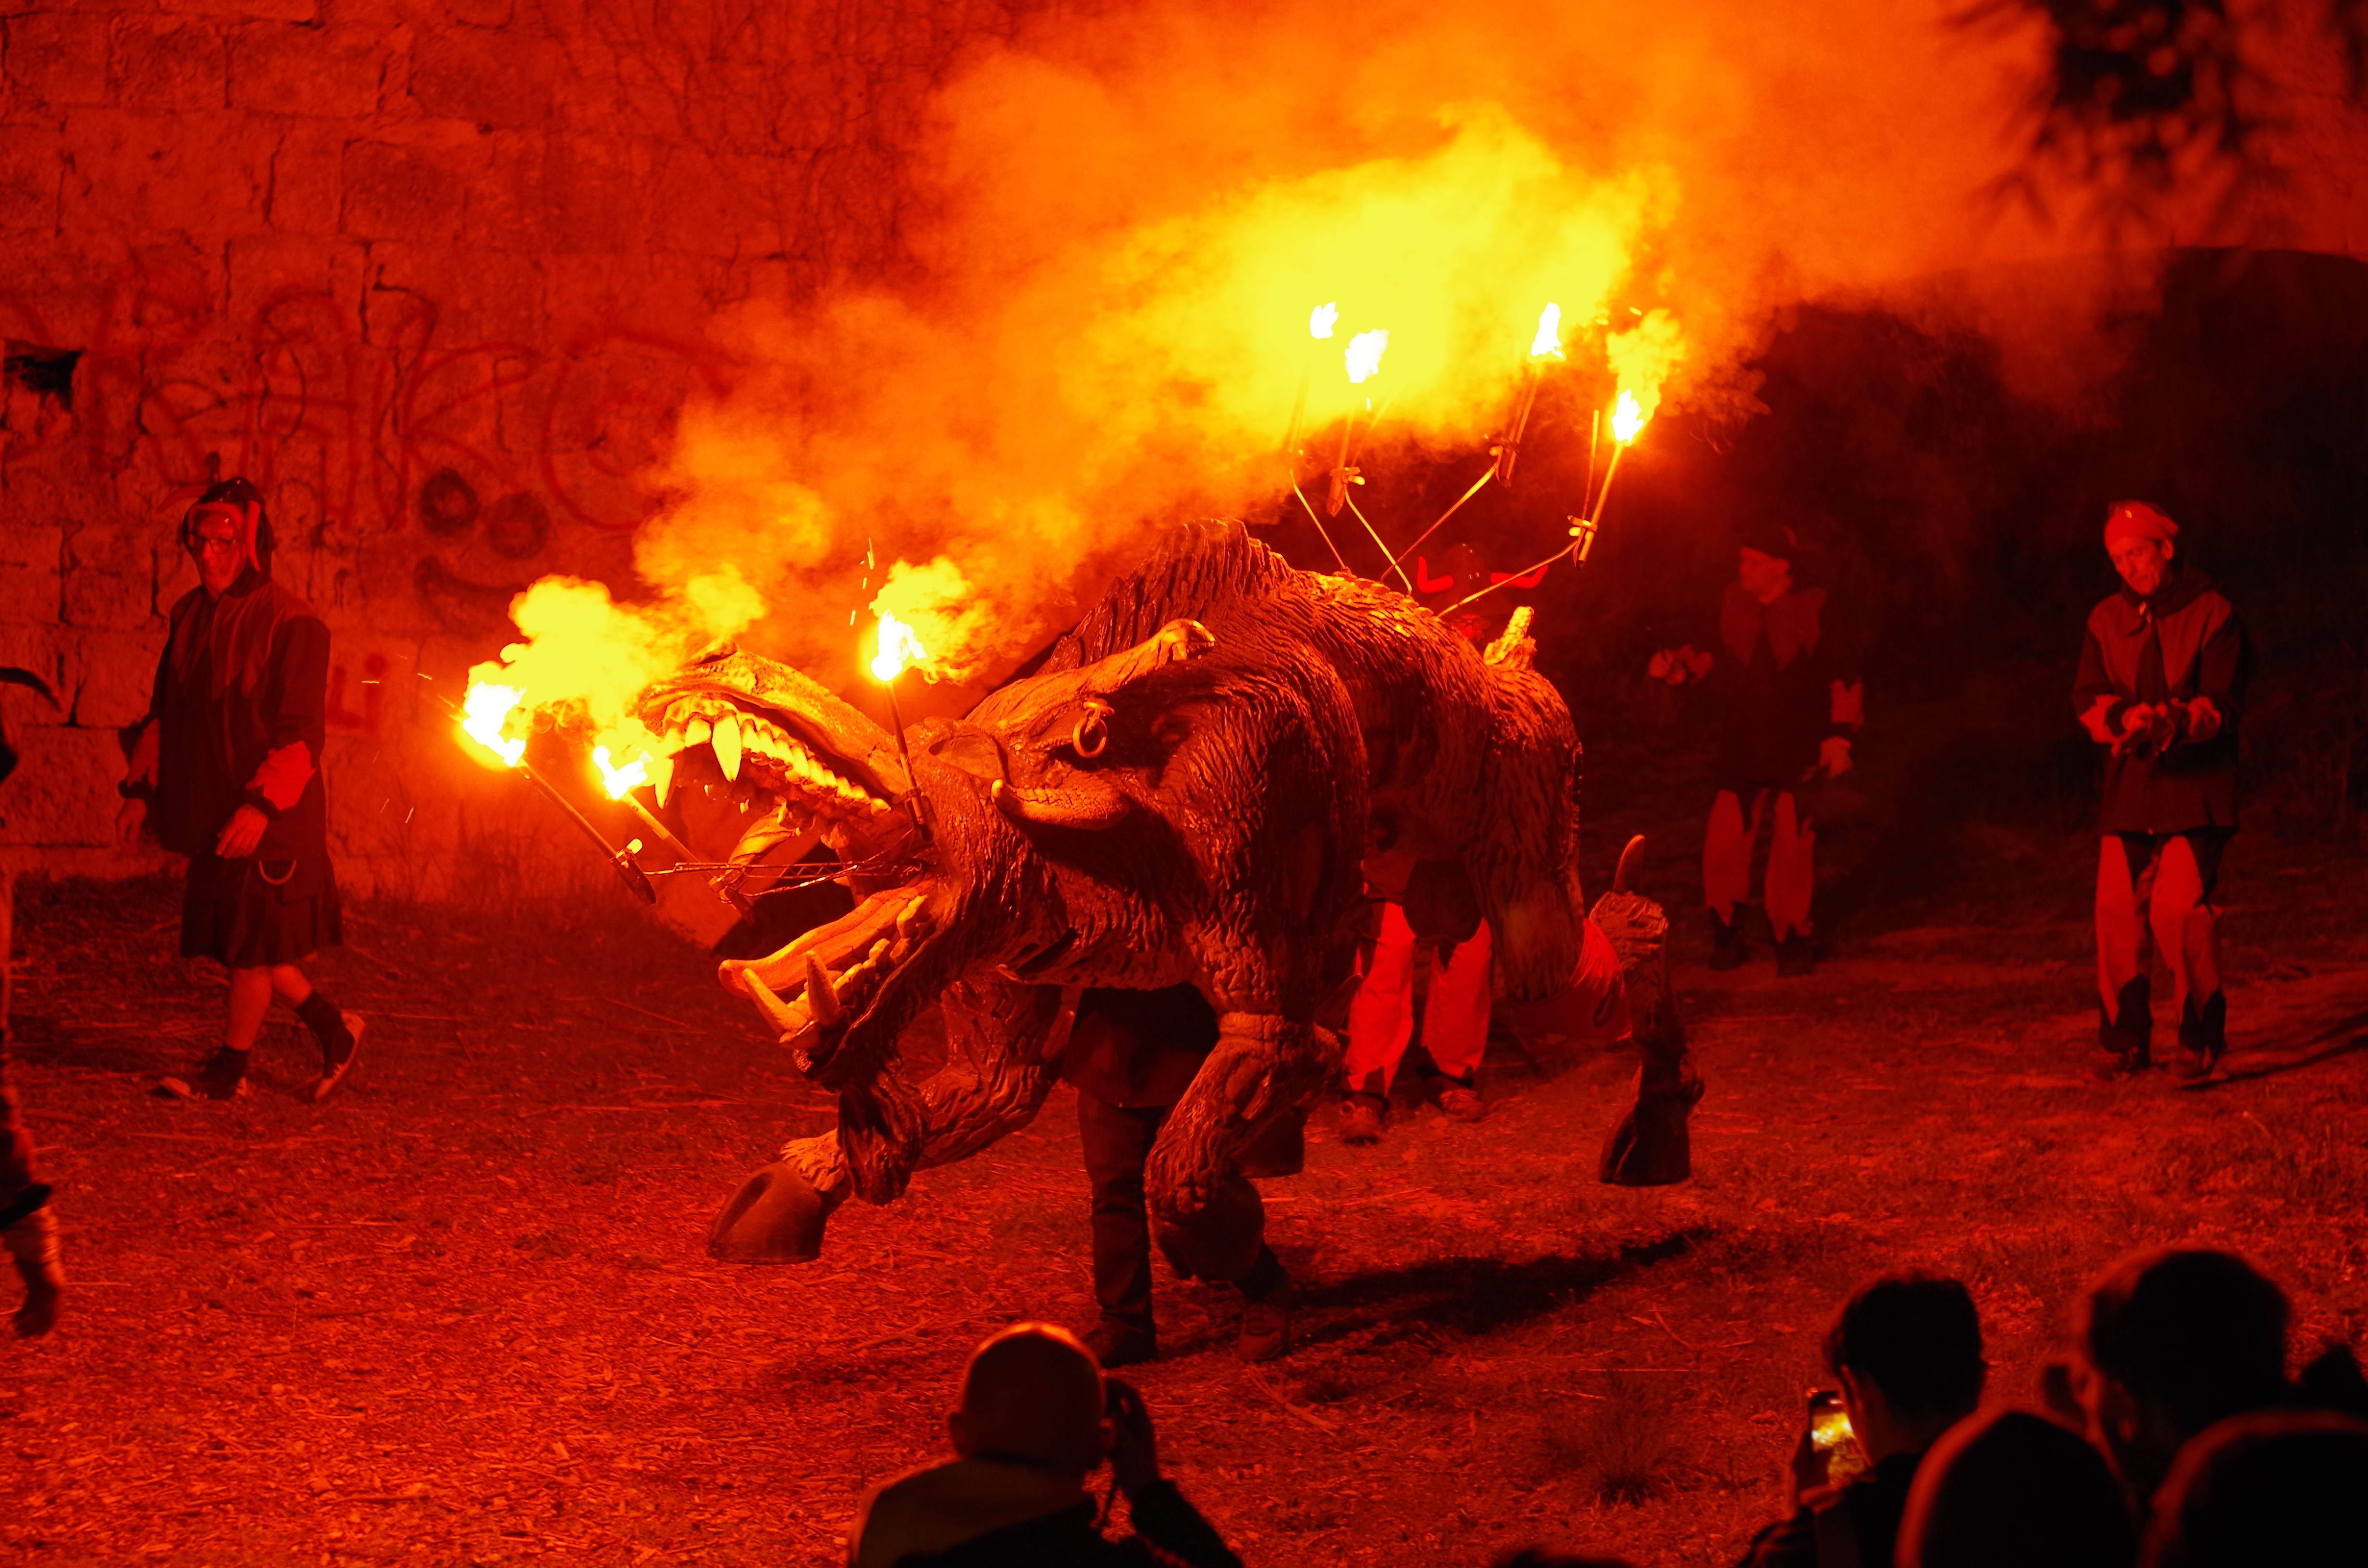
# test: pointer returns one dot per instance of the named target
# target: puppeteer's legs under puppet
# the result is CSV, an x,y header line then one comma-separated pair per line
x,y
1380,1021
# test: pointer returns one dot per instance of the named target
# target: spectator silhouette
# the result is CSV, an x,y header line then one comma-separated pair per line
x,y
1037,1417
2009,1487
1906,1349
2174,1341
2288,1487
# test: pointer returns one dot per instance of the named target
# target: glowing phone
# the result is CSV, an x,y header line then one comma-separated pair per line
x,y
1830,1436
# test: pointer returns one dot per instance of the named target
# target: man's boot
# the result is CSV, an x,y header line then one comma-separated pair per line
x,y
1796,955
1460,1099
32,1243
1361,1117
222,1078
340,1037
1118,1342
1727,949
2122,1041
2203,1037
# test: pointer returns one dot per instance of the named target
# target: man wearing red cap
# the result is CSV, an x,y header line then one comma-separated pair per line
x,y
227,771
2162,679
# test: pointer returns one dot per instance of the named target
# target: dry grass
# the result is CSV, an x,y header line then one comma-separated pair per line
x,y
463,1315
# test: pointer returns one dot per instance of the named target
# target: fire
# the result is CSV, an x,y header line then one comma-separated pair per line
x,y
899,646
486,711
618,780
1627,417
1547,345
1321,319
1364,355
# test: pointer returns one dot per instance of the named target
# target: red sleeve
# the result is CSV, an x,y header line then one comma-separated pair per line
x,y
281,780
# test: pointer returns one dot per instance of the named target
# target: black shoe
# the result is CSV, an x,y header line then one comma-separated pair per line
x,y
338,1058
222,1078
2122,1041
1727,949
2203,1037
1796,956
1116,1343
1266,1326
1362,1117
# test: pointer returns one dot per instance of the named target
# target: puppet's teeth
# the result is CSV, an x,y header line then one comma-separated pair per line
x,y
662,776
819,994
696,733
726,741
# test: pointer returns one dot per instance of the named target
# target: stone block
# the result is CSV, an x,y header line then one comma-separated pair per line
x,y
114,674
332,71
482,301
195,173
257,10
32,170
488,79
169,62
597,194
56,59
480,13
111,577
308,171
63,790
301,294
408,193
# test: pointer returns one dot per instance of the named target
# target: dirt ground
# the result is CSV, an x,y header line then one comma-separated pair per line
x,y
462,1313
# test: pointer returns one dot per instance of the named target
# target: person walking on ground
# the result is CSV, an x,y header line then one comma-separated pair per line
x,y
28,1227
2161,684
1785,671
1454,944
227,771
1130,1055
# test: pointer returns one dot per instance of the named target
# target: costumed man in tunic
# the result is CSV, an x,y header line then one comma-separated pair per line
x,y
2161,684
1131,1054
227,771
28,1227
1785,671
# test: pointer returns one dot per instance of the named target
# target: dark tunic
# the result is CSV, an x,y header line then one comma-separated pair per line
x,y
2178,643
238,717
1774,685
1867,1509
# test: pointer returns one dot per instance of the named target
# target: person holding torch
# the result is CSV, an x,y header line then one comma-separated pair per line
x,y
227,771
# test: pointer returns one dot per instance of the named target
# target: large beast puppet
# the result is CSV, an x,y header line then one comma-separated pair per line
x,y
1190,786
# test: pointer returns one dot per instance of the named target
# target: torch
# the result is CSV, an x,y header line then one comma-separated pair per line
x,y
898,645
1545,345
489,706
620,782
1319,327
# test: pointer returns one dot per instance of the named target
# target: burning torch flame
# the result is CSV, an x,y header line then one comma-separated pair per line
x,y
484,712
619,779
1627,417
1320,320
1547,345
898,648
1364,356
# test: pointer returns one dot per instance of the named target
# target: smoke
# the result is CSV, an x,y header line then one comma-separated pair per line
x,y
1125,223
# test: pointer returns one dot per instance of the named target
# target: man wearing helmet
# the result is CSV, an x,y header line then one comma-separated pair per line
x,y
2161,682
227,771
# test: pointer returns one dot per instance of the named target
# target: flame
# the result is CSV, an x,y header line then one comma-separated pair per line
x,y
484,710
618,780
1320,320
1364,355
1627,417
1547,344
899,646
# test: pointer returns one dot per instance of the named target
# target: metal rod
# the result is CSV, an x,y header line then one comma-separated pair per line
x,y
912,785
1434,528
675,846
636,881
1378,540
1320,528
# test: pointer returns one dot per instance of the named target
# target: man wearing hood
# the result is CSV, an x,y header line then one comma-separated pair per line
x,y
227,771
2161,684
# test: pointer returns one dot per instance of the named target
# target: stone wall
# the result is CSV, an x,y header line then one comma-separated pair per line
x,y
436,275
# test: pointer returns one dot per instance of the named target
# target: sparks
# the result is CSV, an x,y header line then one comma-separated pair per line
x,y
1547,345
618,780
484,712
898,648
1627,418
1364,355
1321,319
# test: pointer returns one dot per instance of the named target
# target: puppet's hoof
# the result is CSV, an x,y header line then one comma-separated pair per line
x,y
775,1217
1651,1147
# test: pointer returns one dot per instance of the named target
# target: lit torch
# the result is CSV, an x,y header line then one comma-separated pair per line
x,y
486,711
621,783
898,646
1362,360
1319,327
1545,345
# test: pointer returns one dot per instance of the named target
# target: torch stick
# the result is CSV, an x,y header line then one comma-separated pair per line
x,y
912,786
1381,544
1594,435
1508,450
1516,577
1320,528
665,835
1434,528
1609,475
636,881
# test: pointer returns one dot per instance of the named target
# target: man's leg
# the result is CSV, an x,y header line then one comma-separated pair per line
x,y
1381,1022
2125,865
1792,879
1115,1143
27,1230
2182,916
1456,1021
1727,874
